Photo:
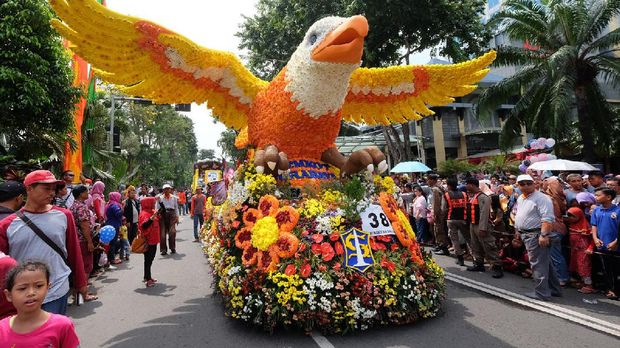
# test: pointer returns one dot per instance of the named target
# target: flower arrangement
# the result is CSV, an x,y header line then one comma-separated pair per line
x,y
281,258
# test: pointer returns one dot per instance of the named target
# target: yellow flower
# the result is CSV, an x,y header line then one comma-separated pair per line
x,y
404,221
389,185
265,232
260,184
312,208
331,197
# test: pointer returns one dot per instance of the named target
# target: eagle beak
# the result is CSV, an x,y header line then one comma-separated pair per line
x,y
344,44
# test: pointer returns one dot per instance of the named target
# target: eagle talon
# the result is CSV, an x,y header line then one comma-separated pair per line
x,y
270,160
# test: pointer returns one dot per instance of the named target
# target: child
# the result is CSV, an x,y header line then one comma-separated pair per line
x,y
125,250
26,287
605,225
581,245
515,259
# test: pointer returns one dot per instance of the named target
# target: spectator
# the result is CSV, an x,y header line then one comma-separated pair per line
x,y
575,186
6,264
514,258
131,212
98,201
114,218
614,184
605,222
60,198
197,212
533,223
554,190
11,197
453,205
482,242
149,227
181,199
595,180
586,202
85,227
27,288
67,178
581,245
144,191
170,218
19,238
439,232
419,214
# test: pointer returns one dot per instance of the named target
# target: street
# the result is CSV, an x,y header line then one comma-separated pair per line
x,y
180,311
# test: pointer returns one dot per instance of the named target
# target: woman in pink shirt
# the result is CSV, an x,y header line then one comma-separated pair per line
x,y
27,286
420,210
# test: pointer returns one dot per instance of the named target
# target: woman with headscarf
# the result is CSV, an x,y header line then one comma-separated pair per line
x,y
148,225
97,201
582,246
114,218
554,189
131,212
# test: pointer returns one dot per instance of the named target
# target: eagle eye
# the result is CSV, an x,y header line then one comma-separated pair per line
x,y
312,39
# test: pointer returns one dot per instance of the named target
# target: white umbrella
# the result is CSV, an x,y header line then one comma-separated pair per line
x,y
410,167
560,164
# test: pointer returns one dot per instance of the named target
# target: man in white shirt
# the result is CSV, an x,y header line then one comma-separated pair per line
x,y
167,225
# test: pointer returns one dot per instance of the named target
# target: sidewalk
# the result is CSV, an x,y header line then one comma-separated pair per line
x,y
599,306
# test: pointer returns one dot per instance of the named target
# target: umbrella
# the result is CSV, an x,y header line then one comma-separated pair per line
x,y
560,164
410,167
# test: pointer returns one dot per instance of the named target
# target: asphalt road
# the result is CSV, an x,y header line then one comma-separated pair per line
x,y
180,311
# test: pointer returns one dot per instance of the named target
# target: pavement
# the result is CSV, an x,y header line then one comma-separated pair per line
x,y
181,311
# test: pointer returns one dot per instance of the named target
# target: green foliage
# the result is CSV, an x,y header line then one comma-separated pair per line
x,y
36,94
573,52
397,29
452,167
501,162
206,154
229,150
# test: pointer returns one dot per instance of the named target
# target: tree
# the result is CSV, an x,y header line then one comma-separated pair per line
x,y
568,52
206,154
398,28
36,94
227,144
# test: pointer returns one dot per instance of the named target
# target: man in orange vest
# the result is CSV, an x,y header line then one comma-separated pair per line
x,y
482,242
454,205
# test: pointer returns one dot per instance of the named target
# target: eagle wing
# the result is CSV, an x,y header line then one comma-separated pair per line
x,y
398,94
148,60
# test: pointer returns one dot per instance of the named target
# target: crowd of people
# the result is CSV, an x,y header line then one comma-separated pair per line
x,y
561,230
50,245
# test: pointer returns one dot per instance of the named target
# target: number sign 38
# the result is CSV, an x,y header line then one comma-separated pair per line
x,y
375,221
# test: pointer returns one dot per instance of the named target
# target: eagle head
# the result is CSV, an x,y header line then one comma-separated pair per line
x,y
319,70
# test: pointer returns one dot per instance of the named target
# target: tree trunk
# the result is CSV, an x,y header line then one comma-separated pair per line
x,y
406,141
392,147
585,124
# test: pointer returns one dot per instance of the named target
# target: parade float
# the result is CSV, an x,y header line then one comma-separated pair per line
x,y
307,238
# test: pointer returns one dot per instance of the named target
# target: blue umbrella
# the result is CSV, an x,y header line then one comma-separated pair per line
x,y
410,167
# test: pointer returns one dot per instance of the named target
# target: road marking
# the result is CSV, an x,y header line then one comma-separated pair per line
x,y
321,340
545,307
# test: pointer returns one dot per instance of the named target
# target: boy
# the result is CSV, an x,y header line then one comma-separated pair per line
x,y
604,223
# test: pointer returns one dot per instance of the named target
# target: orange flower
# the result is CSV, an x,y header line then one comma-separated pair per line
x,y
243,238
249,256
389,205
401,234
287,218
251,216
267,261
290,270
268,205
305,271
286,245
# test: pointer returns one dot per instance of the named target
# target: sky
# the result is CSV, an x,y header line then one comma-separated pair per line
x,y
208,23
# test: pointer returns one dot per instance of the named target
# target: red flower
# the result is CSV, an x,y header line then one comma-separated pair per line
x,y
305,233
339,248
322,268
302,247
236,224
327,251
305,271
375,245
334,236
317,237
316,249
384,238
394,246
290,270
336,266
391,266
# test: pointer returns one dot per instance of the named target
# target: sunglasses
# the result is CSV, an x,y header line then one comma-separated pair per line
x,y
526,183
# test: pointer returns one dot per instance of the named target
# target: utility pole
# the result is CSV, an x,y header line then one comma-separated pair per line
x,y
112,110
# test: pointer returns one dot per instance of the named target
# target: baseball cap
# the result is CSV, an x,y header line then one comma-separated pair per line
x,y
40,177
166,186
524,177
11,189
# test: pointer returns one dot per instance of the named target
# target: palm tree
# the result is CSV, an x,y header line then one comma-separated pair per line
x,y
568,51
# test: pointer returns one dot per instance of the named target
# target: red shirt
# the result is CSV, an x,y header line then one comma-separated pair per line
x,y
6,308
57,332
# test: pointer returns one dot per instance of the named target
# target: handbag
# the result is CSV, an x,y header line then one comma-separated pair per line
x,y
139,244
47,241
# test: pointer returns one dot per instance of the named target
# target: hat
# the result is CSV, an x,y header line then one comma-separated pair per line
x,y
166,186
11,189
524,177
512,176
585,197
41,177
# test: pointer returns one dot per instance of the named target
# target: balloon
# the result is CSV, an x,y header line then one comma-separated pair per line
x,y
522,168
550,142
533,159
541,140
106,234
527,163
